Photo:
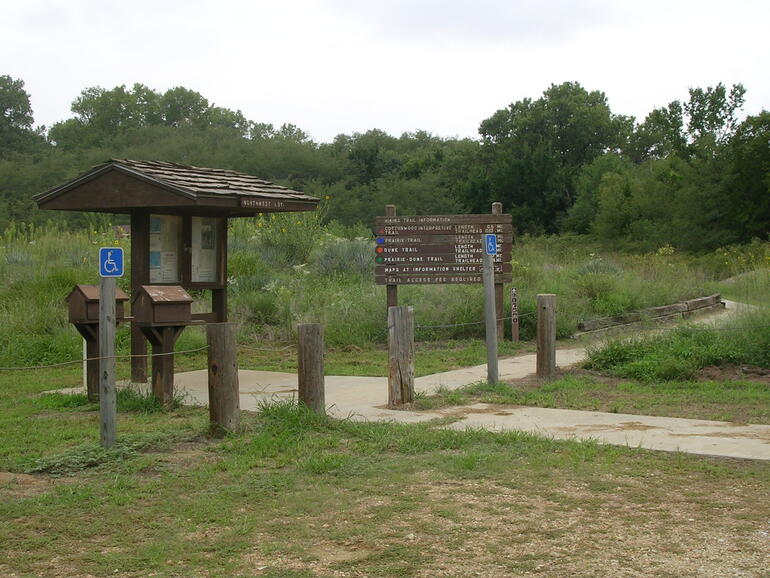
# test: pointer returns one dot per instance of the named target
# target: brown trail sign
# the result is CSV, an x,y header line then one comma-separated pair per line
x,y
440,269
437,249
474,240
462,258
437,279
444,229
493,219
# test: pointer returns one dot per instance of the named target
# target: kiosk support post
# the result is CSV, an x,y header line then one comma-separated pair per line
x,y
140,249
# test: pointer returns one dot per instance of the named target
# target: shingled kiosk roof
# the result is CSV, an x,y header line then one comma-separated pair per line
x,y
123,186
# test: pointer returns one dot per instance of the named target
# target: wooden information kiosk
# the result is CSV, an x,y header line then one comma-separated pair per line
x,y
178,223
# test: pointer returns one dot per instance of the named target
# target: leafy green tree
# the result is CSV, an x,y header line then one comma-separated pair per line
x,y
534,151
746,199
660,135
17,134
581,214
712,114
180,106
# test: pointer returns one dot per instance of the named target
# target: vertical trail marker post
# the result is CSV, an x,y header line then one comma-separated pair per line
x,y
514,314
110,266
489,242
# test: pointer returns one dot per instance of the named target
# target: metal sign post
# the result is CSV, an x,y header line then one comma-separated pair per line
x,y
514,314
489,242
110,267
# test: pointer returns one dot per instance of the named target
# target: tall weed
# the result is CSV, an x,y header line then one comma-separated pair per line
x,y
681,353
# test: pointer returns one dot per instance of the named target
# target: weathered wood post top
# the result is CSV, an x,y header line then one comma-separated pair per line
x,y
178,222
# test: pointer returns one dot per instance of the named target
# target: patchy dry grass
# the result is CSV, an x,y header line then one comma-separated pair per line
x,y
300,495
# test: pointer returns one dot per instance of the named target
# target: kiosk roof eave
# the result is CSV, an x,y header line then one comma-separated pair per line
x,y
125,187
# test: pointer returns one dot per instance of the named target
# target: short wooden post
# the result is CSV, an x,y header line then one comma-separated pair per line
x,y
400,355
310,366
514,315
224,393
92,368
108,400
546,335
497,209
140,275
391,290
163,366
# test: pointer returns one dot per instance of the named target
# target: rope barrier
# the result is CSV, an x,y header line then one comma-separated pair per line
x,y
126,356
685,328
469,322
131,356
268,350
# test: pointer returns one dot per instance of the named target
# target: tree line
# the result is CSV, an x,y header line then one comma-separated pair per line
x,y
692,174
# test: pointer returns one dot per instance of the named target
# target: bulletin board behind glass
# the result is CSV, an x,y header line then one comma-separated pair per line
x,y
165,248
205,237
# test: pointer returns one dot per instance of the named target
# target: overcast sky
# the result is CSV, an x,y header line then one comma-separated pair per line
x,y
343,66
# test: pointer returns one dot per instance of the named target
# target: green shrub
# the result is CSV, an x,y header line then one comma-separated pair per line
x,y
679,354
338,255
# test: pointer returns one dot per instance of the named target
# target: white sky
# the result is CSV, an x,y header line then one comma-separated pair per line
x,y
343,66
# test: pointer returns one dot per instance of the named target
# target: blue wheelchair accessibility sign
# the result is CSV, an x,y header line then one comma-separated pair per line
x,y
110,262
490,244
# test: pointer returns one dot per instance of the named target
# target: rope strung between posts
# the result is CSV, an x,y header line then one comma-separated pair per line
x,y
686,328
469,322
131,356
125,356
268,350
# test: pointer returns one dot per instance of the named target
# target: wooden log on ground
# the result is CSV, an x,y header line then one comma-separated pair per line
x,y
310,366
664,310
701,302
546,335
605,322
685,309
224,392
400,355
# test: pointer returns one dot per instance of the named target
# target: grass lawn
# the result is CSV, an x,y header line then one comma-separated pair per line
x,y
299,495
367,360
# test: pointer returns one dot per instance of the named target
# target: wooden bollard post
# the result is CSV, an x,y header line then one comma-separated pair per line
x,y
310,366
224,400
546,335
400,355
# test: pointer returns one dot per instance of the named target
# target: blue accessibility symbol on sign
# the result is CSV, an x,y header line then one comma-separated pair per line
x,y
490,244
111,262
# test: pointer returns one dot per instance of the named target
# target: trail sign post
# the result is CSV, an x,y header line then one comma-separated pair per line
x,y
490,311
110,266
514,314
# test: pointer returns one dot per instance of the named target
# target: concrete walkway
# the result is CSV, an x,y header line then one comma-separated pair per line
x,y
365,398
